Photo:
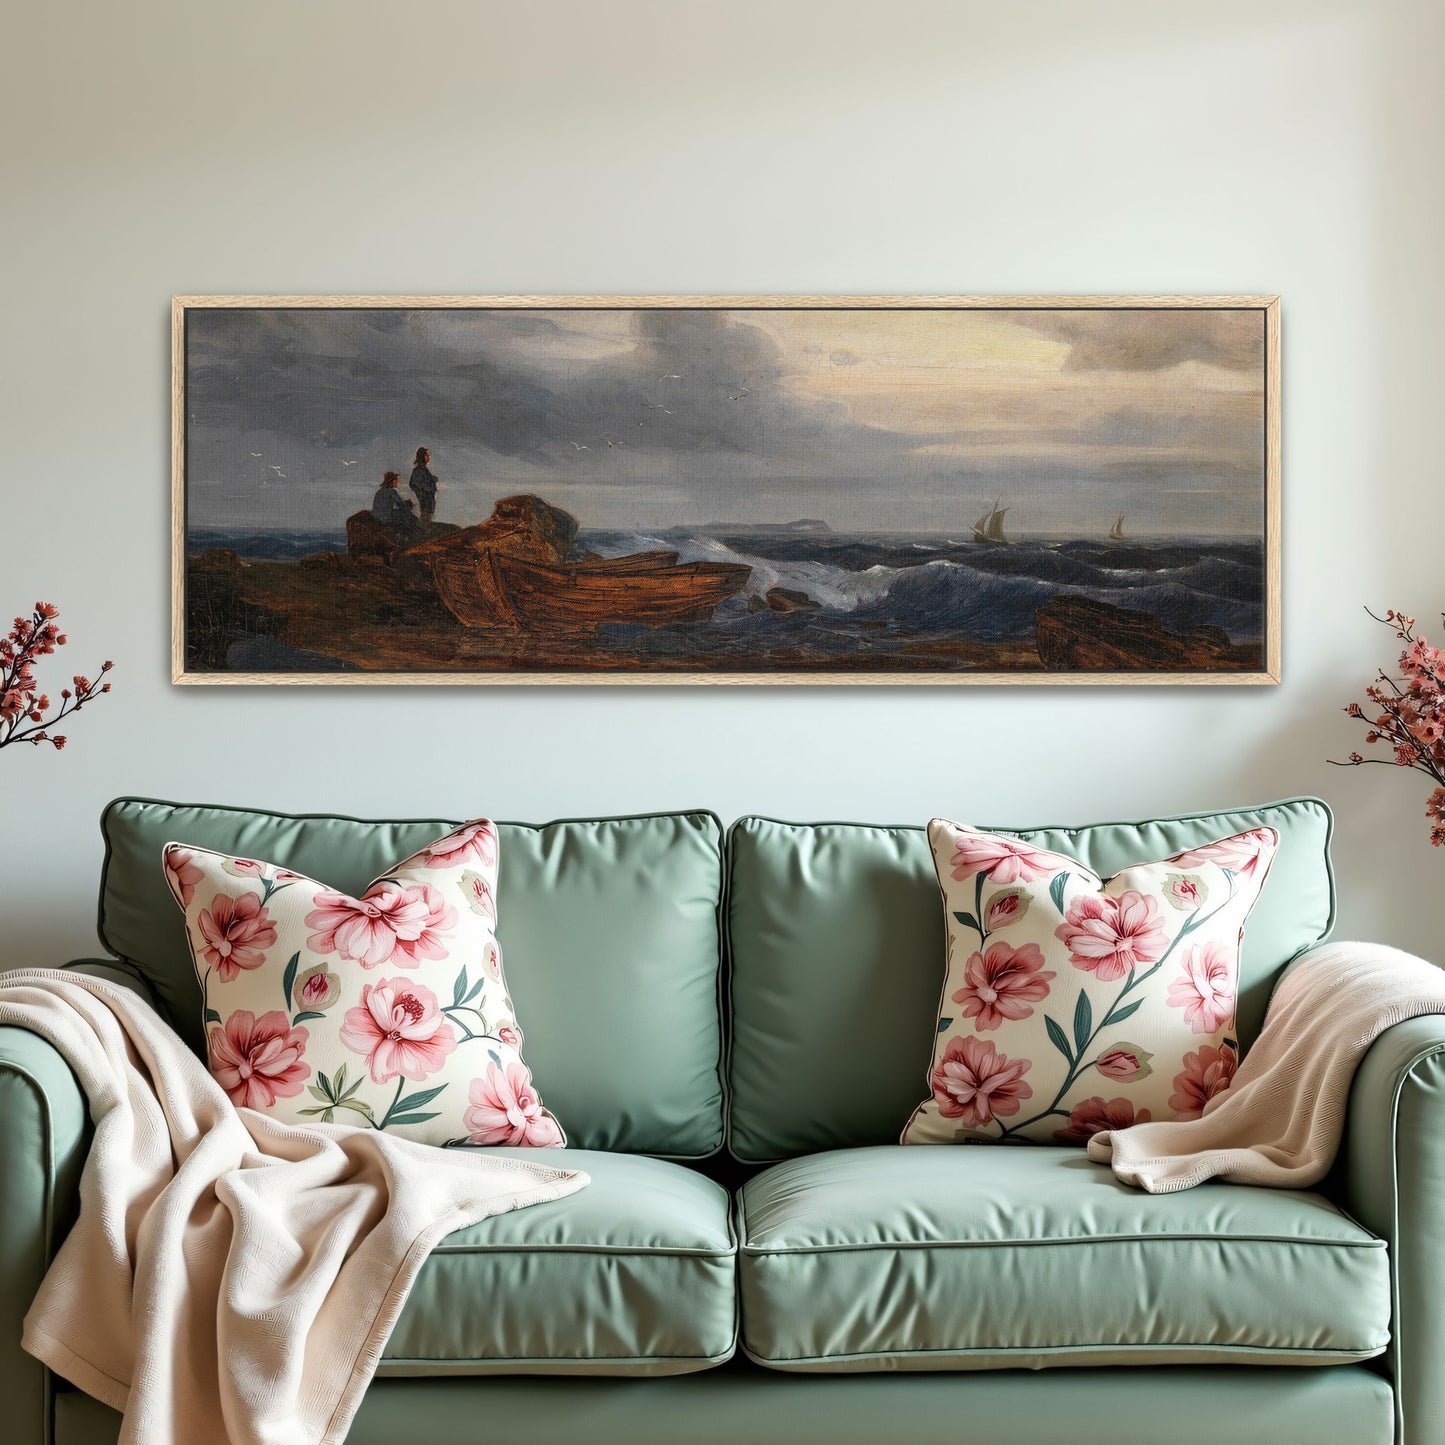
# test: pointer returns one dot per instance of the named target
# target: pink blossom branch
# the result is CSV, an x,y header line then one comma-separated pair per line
x,y
23,707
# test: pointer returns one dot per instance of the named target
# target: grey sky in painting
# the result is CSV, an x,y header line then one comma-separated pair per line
x,y
652,418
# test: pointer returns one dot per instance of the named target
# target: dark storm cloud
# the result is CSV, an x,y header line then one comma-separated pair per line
x,y
693,381
1141,341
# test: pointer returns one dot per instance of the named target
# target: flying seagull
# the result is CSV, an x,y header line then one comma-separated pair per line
x,y
580,447
671,376
255,454
346,463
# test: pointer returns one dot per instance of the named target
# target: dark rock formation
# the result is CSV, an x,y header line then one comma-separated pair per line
x,y
1077,634
788,599
523,526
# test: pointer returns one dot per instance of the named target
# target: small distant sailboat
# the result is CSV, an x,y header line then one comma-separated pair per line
x,y
989,527
1116,532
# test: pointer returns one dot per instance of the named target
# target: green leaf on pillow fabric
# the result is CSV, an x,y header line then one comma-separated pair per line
x,y
475,989
1056,889
415,1101
289,977
408,1119
1083,1021
968,921
302,1017
1120,1014
212,1017
459,987
1059,1038
943,1024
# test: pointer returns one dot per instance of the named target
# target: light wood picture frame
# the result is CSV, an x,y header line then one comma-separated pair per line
x,y
895,490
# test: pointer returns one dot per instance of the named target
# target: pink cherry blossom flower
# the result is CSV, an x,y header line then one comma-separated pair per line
x,y
976,1083
1205,1076
472,840
183,873
258,1060
1205,989
1095,1115
1109,936
399,1028
1003,983
1244,853
237,933
505,1109
1004,860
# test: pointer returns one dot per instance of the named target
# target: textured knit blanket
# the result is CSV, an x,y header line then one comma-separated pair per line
x,y
1281,1120
230,1278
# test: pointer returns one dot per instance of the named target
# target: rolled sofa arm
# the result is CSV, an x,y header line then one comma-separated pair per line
x,y
44,1135
1391,1176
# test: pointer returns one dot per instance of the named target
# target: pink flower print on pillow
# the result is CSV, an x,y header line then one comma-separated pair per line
x,y
1003,983
1092,1116
473,841
1244,854
183,873
236,933
391,923
977,1084
1109,936
258,1060
1205,1075
1205,990
400,1029
1004,860
423,927
505,1109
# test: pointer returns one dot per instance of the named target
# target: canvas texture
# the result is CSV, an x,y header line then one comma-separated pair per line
x,y
390,1009
1073,1004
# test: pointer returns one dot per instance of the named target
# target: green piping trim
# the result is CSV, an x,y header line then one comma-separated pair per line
x,y
1231,1352
502,1363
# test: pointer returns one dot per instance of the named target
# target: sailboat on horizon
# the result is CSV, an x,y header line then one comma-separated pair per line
x,y
1116,532
989,527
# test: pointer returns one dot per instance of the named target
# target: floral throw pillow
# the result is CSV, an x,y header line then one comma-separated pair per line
x,y
389,1010
1073,1003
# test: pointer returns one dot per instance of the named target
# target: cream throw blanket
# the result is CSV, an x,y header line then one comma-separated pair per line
x,y
1281,1120
231,1278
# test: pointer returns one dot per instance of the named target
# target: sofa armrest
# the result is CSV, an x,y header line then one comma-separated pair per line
x,y
1391,1176
44,1135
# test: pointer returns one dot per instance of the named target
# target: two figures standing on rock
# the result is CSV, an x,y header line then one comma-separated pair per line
x,y
397,513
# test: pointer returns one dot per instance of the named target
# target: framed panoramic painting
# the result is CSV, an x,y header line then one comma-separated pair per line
x,y
862,489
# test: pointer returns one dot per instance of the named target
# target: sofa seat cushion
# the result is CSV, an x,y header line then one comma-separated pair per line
x,y
995,1257
634,1275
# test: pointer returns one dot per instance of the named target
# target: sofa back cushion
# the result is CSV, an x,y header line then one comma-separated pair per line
x,y
610,928
837,955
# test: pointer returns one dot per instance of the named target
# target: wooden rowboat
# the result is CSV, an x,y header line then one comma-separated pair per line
x,y
641,590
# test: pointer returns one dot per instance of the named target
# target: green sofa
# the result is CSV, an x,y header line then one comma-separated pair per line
x,y
732,1026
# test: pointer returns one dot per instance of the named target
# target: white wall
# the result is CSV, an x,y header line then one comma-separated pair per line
x,y
747,146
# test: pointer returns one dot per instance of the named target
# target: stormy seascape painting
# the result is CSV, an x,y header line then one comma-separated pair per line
x,y
748,489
